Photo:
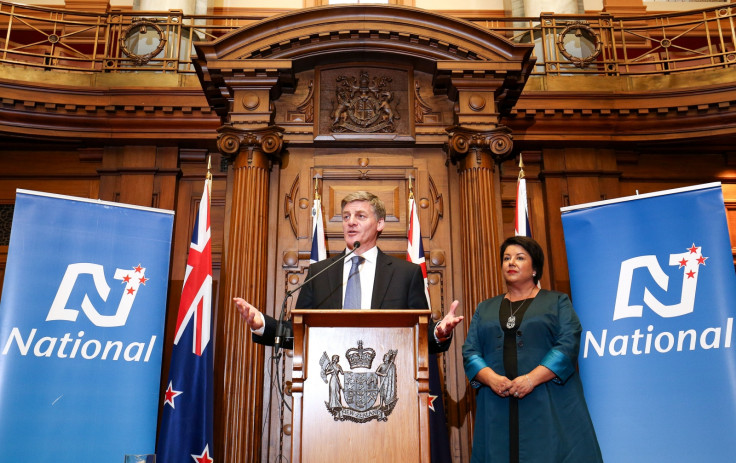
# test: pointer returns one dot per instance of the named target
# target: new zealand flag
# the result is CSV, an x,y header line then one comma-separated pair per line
x,y
186,422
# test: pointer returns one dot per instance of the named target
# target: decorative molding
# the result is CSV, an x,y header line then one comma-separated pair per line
x,y
422,110
290,206
437,207
142,26
306,107
496,142
581,28
388,28
268,140
53,112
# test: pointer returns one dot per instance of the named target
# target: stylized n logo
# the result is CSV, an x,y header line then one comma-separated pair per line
x,y
133,279
691,260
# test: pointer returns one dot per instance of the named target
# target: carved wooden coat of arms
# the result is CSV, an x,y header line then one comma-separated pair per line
x,y
364,105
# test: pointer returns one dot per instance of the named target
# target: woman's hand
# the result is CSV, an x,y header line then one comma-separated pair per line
x,y
521,386
499,384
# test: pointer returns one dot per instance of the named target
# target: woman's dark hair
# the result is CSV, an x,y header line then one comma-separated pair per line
x,y
531,247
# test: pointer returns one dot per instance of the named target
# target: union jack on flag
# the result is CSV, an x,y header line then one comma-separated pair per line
x,y
415,249
186,422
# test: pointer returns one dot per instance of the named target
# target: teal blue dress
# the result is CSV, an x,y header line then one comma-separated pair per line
x,y
552,423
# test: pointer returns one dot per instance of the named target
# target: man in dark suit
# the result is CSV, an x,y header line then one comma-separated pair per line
x,y
394,283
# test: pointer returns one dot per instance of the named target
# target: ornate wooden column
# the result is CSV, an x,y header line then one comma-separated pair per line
x,y
242,93
238,361
475,153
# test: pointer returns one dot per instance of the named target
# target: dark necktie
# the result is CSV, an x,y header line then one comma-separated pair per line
x,y
352,290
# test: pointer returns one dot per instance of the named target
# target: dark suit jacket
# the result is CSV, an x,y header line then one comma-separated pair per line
x,y
398,285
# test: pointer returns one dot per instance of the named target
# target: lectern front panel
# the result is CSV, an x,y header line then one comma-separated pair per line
x,y
367,403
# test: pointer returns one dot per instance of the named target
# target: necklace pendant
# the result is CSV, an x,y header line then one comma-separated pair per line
x,y
511,322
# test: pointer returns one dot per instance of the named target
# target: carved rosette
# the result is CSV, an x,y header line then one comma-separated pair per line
x,y
497,142
269,141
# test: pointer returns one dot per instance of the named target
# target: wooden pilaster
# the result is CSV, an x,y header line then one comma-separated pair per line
x,y
475,154
239,363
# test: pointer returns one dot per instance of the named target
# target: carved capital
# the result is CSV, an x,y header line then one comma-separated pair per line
x,y
496,143
269,141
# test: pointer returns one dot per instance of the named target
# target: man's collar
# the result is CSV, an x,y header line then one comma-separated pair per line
x,y
370,255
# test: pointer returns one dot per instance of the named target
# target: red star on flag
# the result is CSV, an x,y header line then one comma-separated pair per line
x,y
170,394
693,249
683,263
143,280
690,274
131,290
701,260
126,279
138,268
430,401
204,457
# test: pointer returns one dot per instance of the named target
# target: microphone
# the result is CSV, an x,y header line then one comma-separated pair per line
x,y
281,326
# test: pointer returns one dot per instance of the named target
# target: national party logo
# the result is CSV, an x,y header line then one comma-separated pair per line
x,y
85,299
662,288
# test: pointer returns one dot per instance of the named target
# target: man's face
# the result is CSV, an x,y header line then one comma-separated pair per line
x,y
359,223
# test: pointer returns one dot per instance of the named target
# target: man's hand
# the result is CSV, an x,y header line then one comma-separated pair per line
x,y
250,314
443,330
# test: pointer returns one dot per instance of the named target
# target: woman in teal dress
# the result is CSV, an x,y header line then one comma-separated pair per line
x,y
521,355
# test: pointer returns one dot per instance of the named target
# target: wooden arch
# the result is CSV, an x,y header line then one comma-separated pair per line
x,y
332,30
280,46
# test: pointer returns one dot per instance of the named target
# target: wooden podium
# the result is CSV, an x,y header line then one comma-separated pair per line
x,y
360,386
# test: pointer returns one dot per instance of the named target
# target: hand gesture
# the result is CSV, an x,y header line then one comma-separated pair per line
x,y
250,314
444,328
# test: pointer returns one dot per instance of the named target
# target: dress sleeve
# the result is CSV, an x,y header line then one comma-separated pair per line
x,y
562,357
473,360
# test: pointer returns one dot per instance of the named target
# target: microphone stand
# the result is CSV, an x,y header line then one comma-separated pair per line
x,y
281,325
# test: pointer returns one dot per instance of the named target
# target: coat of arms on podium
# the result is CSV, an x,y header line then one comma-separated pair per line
x,y
362,395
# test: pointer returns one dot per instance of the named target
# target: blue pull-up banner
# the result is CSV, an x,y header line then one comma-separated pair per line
x,y
81,329
654,286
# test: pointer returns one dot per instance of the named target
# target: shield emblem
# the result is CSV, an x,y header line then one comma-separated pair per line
x,y
361,390
365,110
